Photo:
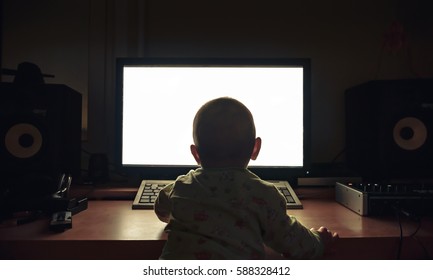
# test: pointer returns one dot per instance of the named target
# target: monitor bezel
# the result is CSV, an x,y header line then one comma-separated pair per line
x,y
171,172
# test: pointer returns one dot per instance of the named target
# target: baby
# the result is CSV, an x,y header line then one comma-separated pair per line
x,y
221,210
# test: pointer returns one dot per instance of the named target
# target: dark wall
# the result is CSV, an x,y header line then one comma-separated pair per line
x,y
79,41
51,34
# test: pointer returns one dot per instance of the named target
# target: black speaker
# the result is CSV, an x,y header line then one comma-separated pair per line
x,y
40,137
389,129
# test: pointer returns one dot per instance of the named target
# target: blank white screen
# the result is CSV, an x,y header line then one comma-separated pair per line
x,y
159,105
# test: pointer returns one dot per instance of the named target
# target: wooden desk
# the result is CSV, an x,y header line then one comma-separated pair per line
x,y
109,229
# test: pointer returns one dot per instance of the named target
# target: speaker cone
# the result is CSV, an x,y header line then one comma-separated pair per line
x,y
23,140
410,133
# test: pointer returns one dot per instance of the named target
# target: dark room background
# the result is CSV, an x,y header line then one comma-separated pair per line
x,y
349,42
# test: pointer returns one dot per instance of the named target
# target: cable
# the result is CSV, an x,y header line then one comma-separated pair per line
x,y
338,155
414,237
417,219
400,243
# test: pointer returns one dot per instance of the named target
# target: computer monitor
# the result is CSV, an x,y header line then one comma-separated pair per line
x,y
157,99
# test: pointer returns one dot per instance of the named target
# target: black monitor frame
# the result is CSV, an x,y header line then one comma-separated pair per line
x,y
171,172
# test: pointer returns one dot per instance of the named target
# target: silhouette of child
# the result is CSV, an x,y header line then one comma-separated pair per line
x,y
221,210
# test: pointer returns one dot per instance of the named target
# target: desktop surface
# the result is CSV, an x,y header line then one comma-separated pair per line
x,y
110,229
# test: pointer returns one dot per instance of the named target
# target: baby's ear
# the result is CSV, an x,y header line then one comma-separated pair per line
x,y
195,154
256,149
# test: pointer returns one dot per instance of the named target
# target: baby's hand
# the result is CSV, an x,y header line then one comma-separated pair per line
x,y
328,238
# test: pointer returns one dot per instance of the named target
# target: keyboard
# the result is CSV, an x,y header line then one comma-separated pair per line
x,y
149,189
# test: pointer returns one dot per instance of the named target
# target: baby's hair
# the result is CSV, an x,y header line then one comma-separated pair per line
x,y
224,132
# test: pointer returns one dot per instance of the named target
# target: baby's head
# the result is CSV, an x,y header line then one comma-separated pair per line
x,y
224,134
